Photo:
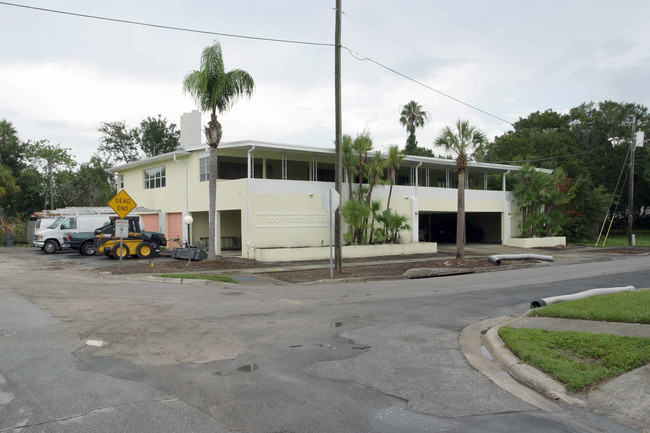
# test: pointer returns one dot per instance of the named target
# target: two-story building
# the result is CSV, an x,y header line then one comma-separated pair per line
x,y
270,196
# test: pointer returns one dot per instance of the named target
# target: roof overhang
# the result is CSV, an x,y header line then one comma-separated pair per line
x,y
408,160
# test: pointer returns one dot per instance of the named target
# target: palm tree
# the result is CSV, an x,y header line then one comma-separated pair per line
x,y
214,90
412,117
394,161
462,142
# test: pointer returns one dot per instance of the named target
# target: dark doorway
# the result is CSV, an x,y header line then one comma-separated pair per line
x,y
481,227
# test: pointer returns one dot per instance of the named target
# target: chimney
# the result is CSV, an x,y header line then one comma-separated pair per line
x,y
191,129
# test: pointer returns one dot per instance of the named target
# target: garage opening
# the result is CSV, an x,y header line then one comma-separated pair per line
x,y
481,227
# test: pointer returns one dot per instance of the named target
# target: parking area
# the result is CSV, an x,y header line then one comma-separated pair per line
x,y
72,257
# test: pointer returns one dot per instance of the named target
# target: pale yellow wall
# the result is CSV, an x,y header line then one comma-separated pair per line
x,y
170,198
200,228
283,213
288,220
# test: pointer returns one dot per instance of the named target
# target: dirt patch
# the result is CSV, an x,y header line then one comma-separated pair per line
x,y
391,267
389,270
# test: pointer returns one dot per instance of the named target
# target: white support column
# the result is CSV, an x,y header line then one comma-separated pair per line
x,y
284,165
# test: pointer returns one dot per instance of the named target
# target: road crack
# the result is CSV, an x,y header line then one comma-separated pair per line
x,y
86,414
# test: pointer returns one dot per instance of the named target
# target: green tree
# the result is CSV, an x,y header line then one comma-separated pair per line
x,y
90,185
12,151
26,185
394,161
368,169
50,158
412,117
7,182
118,143
216,90
461,141
349,166
591,143
156,137
543,198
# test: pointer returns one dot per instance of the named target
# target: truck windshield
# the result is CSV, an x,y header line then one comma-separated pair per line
x,y
56,223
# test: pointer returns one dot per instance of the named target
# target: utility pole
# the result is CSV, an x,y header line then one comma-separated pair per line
x,y
338,166
630,205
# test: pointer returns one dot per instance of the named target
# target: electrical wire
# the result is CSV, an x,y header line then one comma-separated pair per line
x,y
159,26
542,67
593,152
424,85
316,4
139,23
404,44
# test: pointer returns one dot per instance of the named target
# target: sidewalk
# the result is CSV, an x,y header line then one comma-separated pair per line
x,y
625,399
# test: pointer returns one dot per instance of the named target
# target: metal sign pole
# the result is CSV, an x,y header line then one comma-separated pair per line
x,y
121,252
329,223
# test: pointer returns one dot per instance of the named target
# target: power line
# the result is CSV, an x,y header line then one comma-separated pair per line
x,y
487,35
183,29
159,26
434,58
316,4
593,152
426,86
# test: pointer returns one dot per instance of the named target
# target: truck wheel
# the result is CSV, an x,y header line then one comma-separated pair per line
x,y
87,248
144,250
50,247
120,252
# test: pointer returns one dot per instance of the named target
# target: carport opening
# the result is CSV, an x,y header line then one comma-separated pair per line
x,y
440,227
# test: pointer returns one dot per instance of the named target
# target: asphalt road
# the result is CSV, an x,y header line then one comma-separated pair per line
x,y
365,357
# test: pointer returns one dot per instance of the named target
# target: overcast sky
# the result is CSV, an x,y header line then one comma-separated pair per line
x,y
61,75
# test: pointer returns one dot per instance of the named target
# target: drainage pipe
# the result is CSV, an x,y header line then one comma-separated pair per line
x,y
580,295
498,258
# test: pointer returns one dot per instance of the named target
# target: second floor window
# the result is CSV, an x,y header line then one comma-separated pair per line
x,y
154,177
204,169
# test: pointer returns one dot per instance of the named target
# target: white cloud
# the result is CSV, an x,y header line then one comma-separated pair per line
x,y
64,75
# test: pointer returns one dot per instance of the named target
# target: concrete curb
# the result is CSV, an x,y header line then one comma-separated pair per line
x,y
524,373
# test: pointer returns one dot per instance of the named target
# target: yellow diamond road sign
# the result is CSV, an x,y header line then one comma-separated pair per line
x,y
122,204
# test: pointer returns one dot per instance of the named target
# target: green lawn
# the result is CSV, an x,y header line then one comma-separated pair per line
x,y
632,307
577,359
617,239
580,359
221,278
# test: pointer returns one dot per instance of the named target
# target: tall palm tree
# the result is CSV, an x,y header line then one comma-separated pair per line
x,y
412,117
462,141
214,90
394,161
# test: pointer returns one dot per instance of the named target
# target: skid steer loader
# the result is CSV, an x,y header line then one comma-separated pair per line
x,y
139,243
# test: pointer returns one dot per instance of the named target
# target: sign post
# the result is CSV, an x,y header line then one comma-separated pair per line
x,y
331,201
122,204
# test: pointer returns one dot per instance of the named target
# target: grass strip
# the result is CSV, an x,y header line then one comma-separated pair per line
x,y
221,278
577,359
617,240
629,307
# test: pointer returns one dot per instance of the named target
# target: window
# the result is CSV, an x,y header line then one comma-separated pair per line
x,y
69,223
121,181
204,169
154,177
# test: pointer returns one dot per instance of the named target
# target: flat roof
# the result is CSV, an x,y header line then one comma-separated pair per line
x,y
247,144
